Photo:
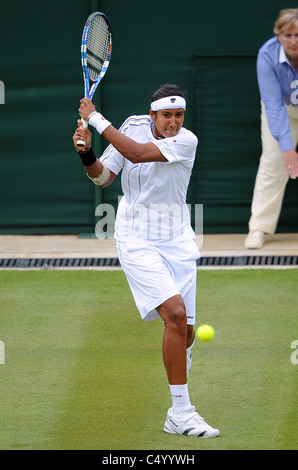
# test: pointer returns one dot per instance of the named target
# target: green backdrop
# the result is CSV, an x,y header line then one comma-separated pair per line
x,y
208,48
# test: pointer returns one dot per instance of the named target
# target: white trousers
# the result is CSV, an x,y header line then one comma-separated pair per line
x,y
271,179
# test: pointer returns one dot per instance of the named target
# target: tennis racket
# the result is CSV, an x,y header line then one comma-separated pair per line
x,y
96,50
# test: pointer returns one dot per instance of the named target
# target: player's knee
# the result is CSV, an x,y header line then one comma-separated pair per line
x,y
177,316
173,312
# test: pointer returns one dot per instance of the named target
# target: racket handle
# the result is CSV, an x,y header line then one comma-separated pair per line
x,y
82,143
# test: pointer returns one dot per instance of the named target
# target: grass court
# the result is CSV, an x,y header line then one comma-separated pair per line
x,y
82,371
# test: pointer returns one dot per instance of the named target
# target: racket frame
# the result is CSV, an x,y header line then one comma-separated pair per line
x,y
90,90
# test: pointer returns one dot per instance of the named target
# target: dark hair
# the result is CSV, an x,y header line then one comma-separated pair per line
x,y
167,90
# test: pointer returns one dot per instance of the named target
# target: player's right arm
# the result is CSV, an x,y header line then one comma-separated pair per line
x,y
94,170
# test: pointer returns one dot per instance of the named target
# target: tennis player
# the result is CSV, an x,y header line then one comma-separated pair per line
x,y
155,241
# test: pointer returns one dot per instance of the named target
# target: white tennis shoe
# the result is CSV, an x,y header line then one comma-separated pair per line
x,y
188,424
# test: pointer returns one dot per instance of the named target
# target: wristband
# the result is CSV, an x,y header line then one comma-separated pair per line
x,y
90,115
88,158
99,122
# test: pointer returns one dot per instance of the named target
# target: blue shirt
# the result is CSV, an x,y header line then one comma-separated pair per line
x,y
277,84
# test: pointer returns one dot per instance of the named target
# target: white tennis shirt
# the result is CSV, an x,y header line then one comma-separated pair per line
x,y
154,203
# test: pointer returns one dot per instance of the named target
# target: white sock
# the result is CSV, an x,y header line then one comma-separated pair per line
x,y
180,397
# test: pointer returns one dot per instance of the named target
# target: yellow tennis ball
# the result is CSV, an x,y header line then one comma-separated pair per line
x,y
205,333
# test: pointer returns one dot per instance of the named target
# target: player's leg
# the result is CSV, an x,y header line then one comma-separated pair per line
x,y
189,344
190,336
154,289
182,417
176,304
173,313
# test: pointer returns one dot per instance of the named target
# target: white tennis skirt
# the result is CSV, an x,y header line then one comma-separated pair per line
x,y
155,273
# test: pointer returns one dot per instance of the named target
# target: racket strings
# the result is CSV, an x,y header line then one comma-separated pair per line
x,y
98,46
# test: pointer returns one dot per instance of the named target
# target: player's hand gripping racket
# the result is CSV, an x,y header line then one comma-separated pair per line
x,y
96,53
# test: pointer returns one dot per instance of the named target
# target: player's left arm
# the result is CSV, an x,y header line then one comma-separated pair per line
x,y
130,149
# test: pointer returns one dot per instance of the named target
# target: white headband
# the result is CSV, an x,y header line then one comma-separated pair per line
x,y
169,102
